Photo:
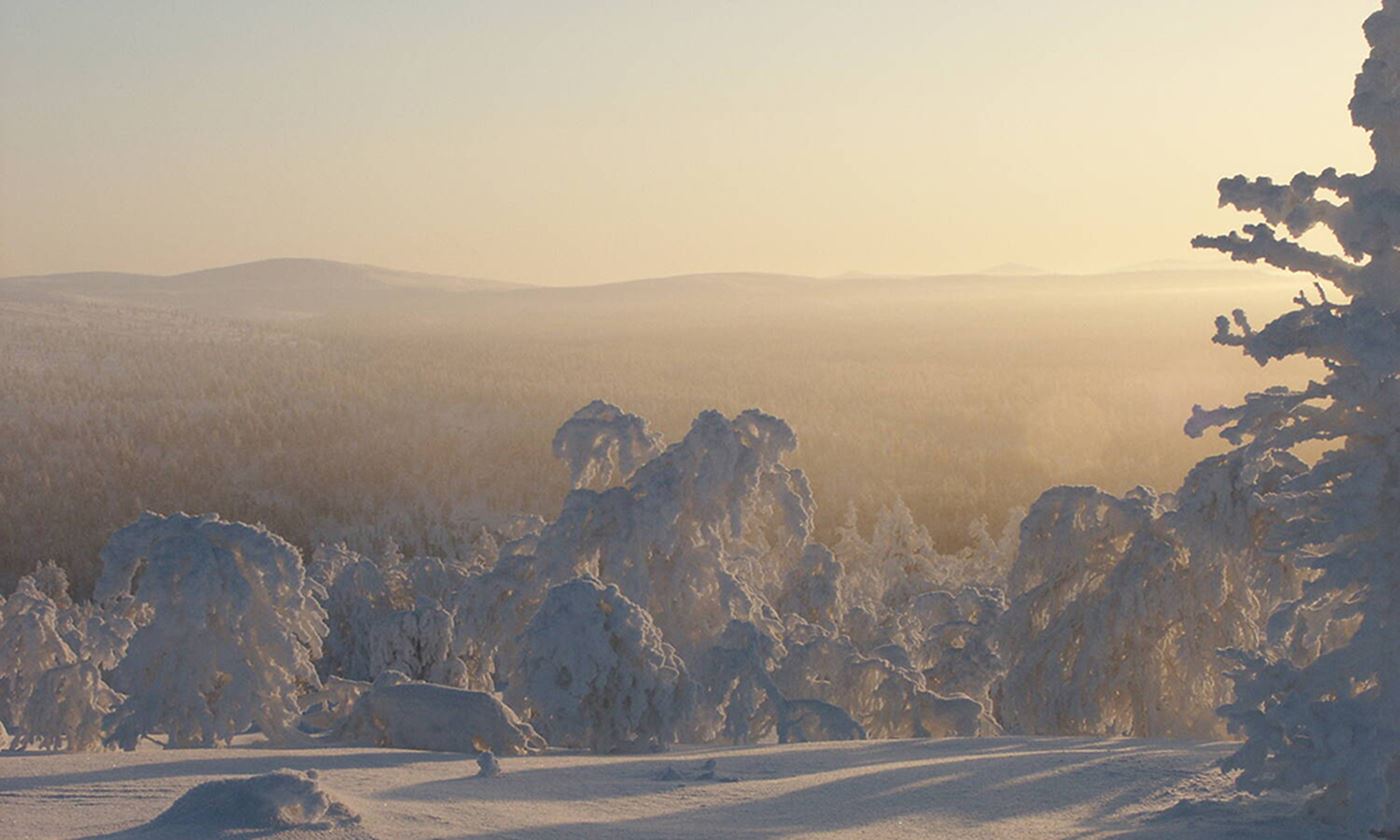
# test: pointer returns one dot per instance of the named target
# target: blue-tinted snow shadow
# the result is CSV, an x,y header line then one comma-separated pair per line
x,y
977,783
235,761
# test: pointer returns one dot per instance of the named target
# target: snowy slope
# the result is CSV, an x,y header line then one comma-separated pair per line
x,y
984,788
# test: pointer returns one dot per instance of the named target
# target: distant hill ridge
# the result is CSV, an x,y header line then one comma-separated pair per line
x,y
280,272
297,288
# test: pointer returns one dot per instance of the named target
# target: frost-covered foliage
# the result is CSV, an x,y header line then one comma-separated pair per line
x,y
596,672
492,612
698,533
388,613
708,545
1125,640
737,697
361,594
67,710
696,537
233,635
887,699
898,561
418,643
815,588
603,445
30,645
1321,707
951,640
53,653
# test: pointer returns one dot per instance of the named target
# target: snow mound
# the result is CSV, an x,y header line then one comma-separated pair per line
x,y
283,799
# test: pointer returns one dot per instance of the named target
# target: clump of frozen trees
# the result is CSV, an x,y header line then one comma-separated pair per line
x,y
679,595
1320,704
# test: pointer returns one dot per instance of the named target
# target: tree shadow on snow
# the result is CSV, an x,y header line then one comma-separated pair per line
x,y
215,762
952,781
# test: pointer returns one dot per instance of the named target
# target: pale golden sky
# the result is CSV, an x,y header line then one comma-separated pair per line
x,y
591,141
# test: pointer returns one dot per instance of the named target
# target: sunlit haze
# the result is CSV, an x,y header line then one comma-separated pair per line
x,y
586,142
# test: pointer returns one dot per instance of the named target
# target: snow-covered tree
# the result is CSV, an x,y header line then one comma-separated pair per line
x,y
67,710
596,672
233,637
492,611
694,536
362,594
417,643
889,701
603,445
951,640
1331,722
734,685
1134,651
697,533
30,645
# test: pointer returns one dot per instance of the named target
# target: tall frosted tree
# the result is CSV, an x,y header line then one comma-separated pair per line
x,y
1320,708
234,635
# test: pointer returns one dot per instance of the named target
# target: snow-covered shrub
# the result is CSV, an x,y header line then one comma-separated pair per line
x,y
436,580
30,645
1135,652
596,672
603,445
107,629
492,612
888,572
359,597
52,656
418,643
487,765
328,560
801,721
233,637
50,579
887,700
66,710
897,561
397,712
263,804
736,700
1331,722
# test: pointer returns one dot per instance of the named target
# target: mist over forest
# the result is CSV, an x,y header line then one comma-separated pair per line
x,y
334,402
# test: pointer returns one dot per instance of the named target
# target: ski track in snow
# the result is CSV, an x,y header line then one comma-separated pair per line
x,y
966,788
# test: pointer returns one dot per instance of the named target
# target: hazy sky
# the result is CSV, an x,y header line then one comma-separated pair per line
x,y
590,141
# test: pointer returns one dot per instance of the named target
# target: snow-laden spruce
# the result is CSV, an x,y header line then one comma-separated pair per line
x,y
597,674
233,636
1321,707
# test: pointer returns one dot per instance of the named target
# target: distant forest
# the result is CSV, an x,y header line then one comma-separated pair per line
x,y
423,416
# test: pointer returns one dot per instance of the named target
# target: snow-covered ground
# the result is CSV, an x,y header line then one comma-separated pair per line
x,y
964,788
